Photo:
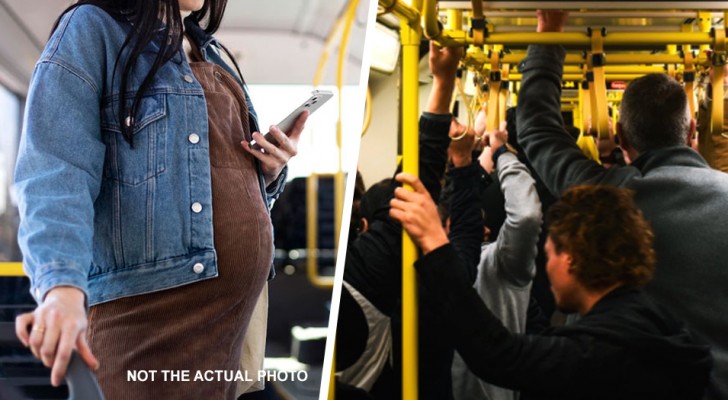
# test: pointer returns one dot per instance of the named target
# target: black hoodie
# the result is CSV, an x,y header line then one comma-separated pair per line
x,y
625,347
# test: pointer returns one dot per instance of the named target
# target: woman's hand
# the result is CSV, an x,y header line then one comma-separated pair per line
x,y
58,328
274,158
418,214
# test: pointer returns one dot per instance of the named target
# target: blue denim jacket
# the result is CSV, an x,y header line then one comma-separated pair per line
x,y
96,214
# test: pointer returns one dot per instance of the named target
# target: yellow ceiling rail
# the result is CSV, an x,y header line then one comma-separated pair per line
x,y
620,69
579,77
443,37
581,39
402,10
613,59
8,269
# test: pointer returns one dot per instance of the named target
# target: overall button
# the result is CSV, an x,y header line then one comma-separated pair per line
x,y
196,207
194,138
198,268
188,79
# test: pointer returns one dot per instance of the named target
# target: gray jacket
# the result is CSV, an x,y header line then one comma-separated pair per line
x,y
685,201
506,270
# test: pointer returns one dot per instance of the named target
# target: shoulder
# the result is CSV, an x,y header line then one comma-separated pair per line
x,y
86,27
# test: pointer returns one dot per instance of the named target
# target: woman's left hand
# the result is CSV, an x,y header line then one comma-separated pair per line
x,y
274,158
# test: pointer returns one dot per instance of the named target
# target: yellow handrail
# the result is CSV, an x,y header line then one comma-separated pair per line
x,y
410,37
411,14
11,269
312,182
312,234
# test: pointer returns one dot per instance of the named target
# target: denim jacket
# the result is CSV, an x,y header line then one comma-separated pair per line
x,y
97,214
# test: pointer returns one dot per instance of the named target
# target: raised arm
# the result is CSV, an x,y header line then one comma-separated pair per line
x,y
516,244
436,120
553,153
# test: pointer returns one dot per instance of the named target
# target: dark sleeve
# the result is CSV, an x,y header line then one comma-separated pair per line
x,y
433,150
533,363
374,263
466,220
553,153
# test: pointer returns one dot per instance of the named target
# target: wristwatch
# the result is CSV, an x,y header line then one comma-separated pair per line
x,y
498,152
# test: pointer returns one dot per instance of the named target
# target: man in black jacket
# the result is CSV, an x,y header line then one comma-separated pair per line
x,y
599,256
683,199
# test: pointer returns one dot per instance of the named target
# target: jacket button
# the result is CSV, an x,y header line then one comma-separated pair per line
x,y
198,268
218,76
196,207
188,79
194,138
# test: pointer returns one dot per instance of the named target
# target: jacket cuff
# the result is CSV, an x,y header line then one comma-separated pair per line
x,y
275,188
542,56
437,123
52,275
463,176
441,256
505,160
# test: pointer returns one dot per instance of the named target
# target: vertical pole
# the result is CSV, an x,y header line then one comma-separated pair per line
x,y
455,19
705,140
410,37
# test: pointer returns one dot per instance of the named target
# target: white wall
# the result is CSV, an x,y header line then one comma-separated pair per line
x,y
378,155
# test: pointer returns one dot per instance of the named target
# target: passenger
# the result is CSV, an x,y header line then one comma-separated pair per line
x,y
507,263
371,296
127,149
600,254
680,195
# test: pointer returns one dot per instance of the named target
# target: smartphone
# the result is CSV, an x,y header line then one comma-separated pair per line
x,y
317,99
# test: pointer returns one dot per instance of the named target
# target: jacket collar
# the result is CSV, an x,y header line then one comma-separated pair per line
x,y
616,296
196,33
673,156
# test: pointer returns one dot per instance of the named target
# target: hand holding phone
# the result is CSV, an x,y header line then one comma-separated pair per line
x,y
313,103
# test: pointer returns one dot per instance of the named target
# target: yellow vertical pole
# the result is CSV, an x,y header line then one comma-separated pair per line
x,y
689,71
455,19
704,24
718,63
410,36
578,116
672,50
332,377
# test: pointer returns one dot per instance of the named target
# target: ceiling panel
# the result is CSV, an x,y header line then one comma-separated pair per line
x,y
270,36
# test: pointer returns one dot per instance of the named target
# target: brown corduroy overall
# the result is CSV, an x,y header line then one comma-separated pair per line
x,y
201,326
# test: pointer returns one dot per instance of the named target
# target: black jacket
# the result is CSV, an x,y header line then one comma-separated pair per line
x,y
626,347
374,267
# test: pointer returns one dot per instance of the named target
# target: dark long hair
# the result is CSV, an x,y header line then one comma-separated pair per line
x,y
148,17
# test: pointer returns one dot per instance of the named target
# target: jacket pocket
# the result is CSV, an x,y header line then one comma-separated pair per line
x,y
134,165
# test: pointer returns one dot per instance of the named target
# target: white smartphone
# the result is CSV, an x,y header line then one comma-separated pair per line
x,y
317,99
